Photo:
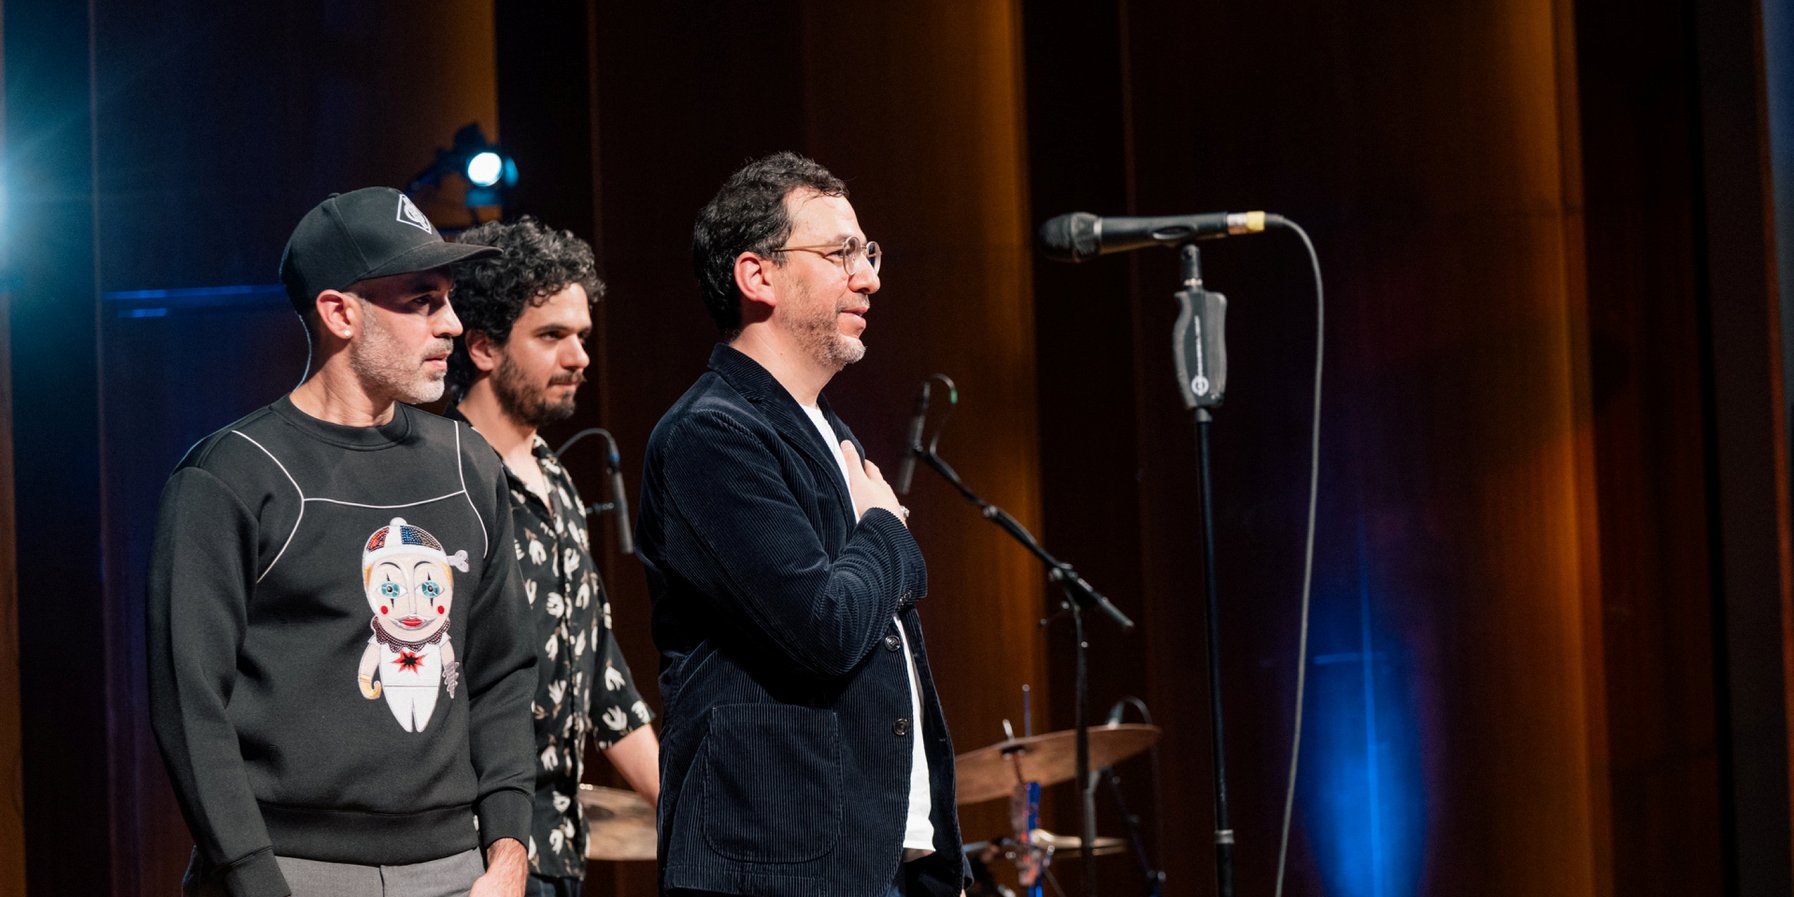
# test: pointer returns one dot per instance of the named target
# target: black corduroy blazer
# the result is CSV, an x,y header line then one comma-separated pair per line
x,y
786,739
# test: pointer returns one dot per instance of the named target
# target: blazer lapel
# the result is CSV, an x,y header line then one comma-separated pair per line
x,y
758,386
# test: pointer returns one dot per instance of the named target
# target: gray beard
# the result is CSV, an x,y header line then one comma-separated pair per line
x,y
379,362
825,343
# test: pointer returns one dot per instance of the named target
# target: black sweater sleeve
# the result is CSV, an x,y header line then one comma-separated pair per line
x,y
202,571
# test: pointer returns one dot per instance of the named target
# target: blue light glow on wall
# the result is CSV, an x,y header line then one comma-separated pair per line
x,y
162,303
1362,793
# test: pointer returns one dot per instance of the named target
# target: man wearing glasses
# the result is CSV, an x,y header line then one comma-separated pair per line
x,y
803,745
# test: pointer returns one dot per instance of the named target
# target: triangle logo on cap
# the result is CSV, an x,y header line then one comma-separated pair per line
x,y
410,214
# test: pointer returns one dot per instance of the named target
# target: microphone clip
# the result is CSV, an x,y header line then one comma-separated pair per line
x,y
915,449
1199,338
619,500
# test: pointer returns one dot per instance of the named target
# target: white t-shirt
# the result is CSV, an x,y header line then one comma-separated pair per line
x,y
918,834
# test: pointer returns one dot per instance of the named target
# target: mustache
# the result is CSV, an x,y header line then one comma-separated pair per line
x,y
573,379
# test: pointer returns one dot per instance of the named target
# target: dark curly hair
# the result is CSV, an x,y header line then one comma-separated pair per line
x,y
748,215
491,293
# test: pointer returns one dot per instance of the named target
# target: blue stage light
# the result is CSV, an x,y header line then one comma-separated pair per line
x,y
487,169
1363,793
484,168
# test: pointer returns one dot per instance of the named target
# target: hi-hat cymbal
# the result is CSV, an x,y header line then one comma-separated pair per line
x,y
1041,841
621,822
1072,845
991,772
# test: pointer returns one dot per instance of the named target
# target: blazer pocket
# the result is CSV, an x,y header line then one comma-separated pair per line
x,y
772,782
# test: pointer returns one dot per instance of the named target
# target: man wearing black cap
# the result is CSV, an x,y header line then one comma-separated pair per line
x,y
340,671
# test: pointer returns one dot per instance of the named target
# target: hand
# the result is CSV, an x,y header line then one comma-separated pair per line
x,y
369,688
868,487
507,870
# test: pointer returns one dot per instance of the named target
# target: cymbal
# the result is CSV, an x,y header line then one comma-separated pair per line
x,y
1072,845
621,823
1042,840
992,771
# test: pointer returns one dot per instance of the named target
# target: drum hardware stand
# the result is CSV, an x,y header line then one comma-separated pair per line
x,y
1079,596
1154,875
1030,793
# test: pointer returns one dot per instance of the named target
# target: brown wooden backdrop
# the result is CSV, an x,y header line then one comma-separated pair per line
x,y
1551,596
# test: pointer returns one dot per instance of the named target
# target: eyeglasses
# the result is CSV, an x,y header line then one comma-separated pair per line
x,y
848,253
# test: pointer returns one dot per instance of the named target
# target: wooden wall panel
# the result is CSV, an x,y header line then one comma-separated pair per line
x,y
1424,146
1749,451
12,756
1682,338
56,454
1090,400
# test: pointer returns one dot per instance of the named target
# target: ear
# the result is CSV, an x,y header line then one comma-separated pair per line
x,y
339,314
482,351
754,280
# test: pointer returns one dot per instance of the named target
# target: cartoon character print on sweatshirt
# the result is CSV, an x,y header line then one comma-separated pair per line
x,y
411,589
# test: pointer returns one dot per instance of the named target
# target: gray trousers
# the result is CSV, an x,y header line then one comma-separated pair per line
x,y
450,876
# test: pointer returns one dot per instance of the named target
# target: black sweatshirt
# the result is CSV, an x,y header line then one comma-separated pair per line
x,y
340,666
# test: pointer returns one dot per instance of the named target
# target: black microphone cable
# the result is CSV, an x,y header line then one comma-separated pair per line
x,y
1314,478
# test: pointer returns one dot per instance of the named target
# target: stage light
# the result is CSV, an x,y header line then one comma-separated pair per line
x,y
484,168
487,169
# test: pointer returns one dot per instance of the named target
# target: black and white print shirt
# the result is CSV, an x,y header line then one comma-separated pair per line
x,y
584,684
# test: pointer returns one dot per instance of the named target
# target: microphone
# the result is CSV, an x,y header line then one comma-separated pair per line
x,y
912,442
620,501
1077,236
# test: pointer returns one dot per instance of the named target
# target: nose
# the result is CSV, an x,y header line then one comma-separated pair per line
x,y
576,357
864,280
448,326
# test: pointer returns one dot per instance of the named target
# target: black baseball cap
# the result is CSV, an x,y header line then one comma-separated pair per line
x,y
371,232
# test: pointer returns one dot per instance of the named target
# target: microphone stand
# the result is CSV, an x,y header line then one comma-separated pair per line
x,y
617,505
1201,357
1079,597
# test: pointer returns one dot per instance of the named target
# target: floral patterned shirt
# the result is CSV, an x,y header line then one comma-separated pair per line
x,y
583,683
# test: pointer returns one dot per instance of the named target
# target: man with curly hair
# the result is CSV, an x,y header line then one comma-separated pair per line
x,y
516,368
